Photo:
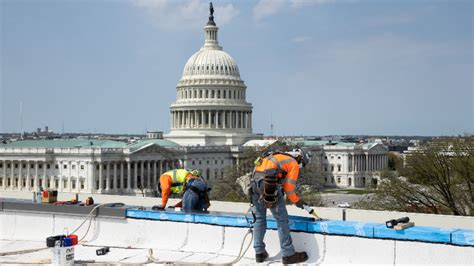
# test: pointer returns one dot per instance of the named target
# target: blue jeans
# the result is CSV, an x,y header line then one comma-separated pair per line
x,y
280,214
192,201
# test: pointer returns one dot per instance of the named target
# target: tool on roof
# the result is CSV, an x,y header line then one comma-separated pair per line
x,y
393,222
312,212
102,251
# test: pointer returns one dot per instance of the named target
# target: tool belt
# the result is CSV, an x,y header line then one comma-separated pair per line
x,y
268,190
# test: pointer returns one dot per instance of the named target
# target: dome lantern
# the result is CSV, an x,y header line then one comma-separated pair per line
x,y
210,32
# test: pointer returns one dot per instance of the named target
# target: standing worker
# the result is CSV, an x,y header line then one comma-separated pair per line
x,y
273,172
172,181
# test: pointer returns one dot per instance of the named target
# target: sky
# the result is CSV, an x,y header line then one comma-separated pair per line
x,y
312,67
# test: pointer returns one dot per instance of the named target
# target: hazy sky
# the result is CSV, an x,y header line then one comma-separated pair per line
x,y
312,67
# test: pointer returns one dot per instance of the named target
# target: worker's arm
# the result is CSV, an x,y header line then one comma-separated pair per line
x,y
165,182
289,186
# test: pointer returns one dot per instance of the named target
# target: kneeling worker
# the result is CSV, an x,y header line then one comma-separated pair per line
x,y
195,196
178,181
172,181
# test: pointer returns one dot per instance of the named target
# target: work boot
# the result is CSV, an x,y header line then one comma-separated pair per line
x,y
261,257
295,258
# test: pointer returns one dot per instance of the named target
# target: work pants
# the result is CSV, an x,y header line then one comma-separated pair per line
x,y
280,214
193,198
192,201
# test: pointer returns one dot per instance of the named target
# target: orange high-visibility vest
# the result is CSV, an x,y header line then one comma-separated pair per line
x,y
282,166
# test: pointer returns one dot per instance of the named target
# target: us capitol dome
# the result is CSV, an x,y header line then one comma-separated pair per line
x,y
211,106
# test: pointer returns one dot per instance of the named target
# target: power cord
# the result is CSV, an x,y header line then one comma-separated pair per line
x,y
25,251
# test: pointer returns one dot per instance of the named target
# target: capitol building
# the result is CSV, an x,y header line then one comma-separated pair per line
x,y
211,106
211,126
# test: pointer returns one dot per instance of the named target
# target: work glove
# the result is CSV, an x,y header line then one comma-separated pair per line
x,y
158,207
301,204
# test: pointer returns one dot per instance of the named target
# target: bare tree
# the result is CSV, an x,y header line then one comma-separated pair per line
x,y
439,178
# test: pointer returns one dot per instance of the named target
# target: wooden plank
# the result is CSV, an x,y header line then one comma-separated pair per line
x,y
403,226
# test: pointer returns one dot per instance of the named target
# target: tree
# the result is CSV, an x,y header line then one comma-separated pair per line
x,y
439,178
395,163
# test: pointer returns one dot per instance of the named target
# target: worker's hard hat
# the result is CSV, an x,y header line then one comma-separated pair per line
x,y
196,173
301,157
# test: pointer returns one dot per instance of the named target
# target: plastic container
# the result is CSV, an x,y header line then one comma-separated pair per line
x,y
73,238
67,242
63,255
38,197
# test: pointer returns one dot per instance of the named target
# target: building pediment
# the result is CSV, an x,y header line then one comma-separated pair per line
x,y
150,149
378,148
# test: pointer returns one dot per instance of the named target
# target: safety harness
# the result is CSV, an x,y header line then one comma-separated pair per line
x,y
271,182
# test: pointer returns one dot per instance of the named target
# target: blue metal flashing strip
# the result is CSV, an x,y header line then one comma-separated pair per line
x,y
221,220
295,225
343,228
162,216
307,224
463,237
418,233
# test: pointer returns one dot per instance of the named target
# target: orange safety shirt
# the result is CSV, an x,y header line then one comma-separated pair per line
x,y
166,182
283,166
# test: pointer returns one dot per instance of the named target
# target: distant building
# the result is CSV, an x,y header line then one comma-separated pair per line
x,y
113,167
79,165
348,165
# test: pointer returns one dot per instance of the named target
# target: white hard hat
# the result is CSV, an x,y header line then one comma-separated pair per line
x,y
295,153
300,155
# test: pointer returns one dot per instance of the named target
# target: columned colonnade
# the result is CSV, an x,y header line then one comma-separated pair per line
x,y
211,119
368,162
82,176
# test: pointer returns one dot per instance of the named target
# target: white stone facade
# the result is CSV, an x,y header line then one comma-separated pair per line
x,y
351,165
212,161
118,170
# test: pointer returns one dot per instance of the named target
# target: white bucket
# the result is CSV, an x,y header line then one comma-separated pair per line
x,y
63,255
